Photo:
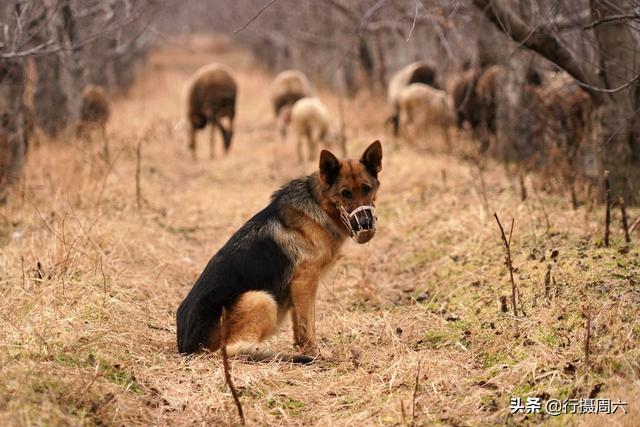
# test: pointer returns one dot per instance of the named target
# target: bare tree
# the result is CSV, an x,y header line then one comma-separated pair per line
x,y
612,82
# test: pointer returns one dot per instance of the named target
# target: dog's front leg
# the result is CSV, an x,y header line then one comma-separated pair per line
x,y
303,295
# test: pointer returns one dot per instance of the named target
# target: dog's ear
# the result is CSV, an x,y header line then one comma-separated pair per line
x,y
372,158
329,167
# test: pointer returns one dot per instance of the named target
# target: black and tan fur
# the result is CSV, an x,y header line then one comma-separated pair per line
x,y
272,265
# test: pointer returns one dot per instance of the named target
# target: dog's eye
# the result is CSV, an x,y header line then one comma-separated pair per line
x,y
366,188
346,193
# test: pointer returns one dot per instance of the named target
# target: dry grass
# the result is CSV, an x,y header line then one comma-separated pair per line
x,y
90,283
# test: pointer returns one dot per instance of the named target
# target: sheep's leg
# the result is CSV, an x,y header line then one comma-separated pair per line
x,y
192,142
105,143
300,142
313,145
212,142
405,122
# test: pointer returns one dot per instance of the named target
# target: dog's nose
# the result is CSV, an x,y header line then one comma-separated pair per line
x,y
367,223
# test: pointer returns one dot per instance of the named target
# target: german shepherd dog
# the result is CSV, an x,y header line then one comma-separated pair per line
x,y
272,265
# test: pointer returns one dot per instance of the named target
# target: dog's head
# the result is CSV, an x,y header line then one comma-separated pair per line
x,y
349,188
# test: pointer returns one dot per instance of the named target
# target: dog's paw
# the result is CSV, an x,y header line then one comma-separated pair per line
x,y
311,351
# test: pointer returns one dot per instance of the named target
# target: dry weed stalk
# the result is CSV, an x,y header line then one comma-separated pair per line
x,y
587,340
343,133
547,282
542,208
625,224
225,364
138,168
483,187
507,245
523,188
415,393
607,207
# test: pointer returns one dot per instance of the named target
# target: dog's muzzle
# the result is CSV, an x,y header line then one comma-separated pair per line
x,y
361,222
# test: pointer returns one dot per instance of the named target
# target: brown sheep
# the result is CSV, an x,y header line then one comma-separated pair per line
x,y
288,87
211,97
486,91
310,121
417,72
465,101
94,110
421,106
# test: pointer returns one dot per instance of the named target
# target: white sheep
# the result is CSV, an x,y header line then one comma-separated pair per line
x,y
421,106
310,121
416,72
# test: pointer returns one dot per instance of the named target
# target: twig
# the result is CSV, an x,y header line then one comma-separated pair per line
x,y
343,135
625,224
544,211
104,278
254,18
138,167
225,364
523,188
415,393
587,341
413,25
507,245
23,275
634,225
612,18
483,188
607,208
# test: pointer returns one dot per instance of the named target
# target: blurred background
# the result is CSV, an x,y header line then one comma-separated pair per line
x,y
565,102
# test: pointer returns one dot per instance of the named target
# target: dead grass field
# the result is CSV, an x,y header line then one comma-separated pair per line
x,y
90,282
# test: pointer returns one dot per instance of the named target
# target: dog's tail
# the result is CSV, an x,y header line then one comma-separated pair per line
x,y
256,353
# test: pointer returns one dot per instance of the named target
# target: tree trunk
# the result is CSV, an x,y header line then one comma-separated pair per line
x,y
12,78
616,111
56,99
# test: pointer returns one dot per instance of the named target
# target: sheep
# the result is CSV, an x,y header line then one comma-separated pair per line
x,y
310,121
486,91
464,98
421,106
94,110
211,97
94,115
287,88
417,72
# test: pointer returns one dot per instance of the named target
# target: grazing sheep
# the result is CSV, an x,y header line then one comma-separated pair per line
x,y
421,106
287,88
94,110
464,98
310,121
211,96
486,91
566,110
417,72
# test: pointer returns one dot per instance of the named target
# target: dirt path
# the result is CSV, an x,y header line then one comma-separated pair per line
x,y
92,281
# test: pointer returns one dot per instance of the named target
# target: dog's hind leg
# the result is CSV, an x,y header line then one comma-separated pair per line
x,y
250,321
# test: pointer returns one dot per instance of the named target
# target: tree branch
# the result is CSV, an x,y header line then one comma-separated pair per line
x,y
538,40
612,18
